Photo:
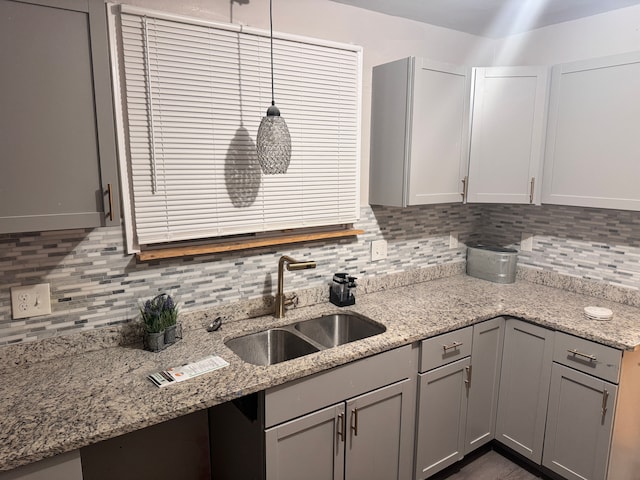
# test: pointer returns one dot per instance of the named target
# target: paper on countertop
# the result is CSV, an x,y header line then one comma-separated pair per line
x,y
185,372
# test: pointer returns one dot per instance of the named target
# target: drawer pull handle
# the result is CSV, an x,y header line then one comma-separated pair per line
x,y
605,399
467,382
341,426
354,421
446,348
591,358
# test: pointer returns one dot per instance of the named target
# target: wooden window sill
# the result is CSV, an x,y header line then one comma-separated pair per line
x,y
244,244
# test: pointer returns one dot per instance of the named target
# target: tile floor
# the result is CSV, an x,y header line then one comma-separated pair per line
x,y
488,465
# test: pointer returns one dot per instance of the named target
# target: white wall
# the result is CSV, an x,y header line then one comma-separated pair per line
x,y
383,38
609,33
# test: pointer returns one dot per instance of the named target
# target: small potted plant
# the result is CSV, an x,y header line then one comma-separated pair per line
x,y
159,316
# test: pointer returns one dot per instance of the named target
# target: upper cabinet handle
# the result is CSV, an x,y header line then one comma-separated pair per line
x,y
465,188
533,184
110,193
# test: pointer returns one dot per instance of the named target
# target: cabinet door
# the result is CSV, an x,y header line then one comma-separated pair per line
x,y
486,361
66,466
439,133
579,424
310,447
56,120
507,134
442,413
419,132
379,435
524,388
591,157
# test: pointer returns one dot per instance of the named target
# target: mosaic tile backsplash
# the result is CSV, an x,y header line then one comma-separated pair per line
x,y
94,283
589,243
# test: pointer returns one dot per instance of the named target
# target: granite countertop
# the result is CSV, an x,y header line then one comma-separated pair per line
x,y
70,402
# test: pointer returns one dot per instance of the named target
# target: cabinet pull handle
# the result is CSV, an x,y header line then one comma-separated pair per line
x,y
354,421
465,188
467,382
452,346
533,184
341,426
110,194
605,399
591,358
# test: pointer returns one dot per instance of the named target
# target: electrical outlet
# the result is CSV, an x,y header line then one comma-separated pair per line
x,y
453,240
31,300
526,244
378,250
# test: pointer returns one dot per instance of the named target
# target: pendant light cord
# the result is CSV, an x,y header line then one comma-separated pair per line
x,y
273,97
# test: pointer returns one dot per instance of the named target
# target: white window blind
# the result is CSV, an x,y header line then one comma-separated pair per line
x,y
194,94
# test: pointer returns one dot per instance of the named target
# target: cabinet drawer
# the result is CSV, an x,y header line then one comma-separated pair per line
x,y
446,348
587,356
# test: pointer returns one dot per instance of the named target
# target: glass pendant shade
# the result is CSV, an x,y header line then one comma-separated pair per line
x,y
273,143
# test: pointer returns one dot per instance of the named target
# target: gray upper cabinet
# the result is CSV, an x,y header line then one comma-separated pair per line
x,y
592,153
486,362
524,388
56,121
507,134
419,132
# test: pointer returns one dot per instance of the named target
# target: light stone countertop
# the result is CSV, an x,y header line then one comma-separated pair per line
x,y
66,403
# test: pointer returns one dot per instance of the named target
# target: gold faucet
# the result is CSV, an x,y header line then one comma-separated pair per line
x,y
292,264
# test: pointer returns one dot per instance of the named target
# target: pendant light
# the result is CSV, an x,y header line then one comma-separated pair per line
x,y
273,142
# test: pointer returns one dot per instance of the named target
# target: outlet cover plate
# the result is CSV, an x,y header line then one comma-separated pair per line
x,y
378,250
31,300
526,244
453,240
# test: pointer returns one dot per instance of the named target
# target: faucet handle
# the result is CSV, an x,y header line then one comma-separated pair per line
x,y
292,301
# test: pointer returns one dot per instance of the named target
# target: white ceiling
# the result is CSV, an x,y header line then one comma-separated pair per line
x,y
491,18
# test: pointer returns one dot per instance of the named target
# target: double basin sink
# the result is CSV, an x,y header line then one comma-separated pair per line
x,y
302,338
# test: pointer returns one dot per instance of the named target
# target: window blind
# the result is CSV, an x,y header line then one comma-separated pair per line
x,y
194,95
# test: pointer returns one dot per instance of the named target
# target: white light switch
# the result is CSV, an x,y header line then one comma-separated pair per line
x,y
31,300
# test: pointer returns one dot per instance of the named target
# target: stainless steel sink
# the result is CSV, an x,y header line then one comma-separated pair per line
x,y
338,329
309,336
270,347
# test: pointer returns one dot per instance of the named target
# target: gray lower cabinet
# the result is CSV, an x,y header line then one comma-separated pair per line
x,y
359,438
66,466
524,388
352,422
486,362
56,122
442,414
579,424
311,447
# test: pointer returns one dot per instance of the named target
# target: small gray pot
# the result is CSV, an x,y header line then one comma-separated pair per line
x,y
154,342
170,334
